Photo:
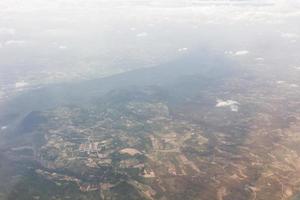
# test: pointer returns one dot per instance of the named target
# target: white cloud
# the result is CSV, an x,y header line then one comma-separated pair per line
x,y
290,35
233,105
21,84
182,49
260,59
241,53
14,42
237,53
143,34
296,68
7,31
228,52
62,47
280,82
293,85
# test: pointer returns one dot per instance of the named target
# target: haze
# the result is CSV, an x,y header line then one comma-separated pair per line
x,y
58,41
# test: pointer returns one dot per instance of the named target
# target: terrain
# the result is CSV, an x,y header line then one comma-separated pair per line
x,y
214,132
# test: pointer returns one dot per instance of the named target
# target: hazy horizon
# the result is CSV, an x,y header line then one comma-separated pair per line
x,y
57,41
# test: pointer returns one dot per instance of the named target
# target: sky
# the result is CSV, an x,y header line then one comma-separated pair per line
x,y
44,42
